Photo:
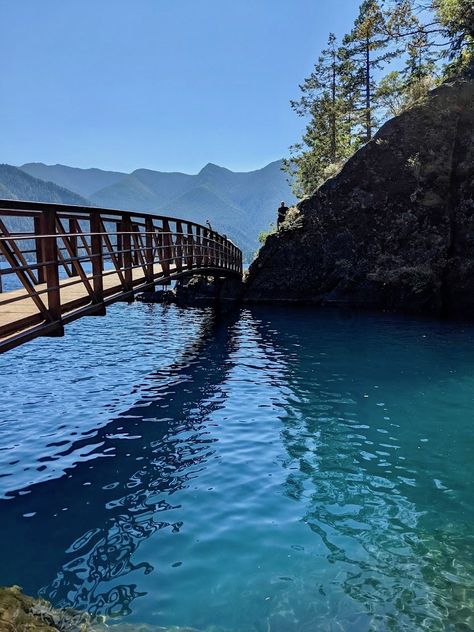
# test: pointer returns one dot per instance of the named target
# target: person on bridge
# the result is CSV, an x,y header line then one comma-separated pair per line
x,y
282,211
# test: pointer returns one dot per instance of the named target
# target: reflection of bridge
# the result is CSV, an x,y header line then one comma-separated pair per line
x,y
72,261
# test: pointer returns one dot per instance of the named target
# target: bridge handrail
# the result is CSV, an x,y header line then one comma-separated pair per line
x,y
23,206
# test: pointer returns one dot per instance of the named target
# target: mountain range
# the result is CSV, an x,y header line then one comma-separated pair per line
x,y
239,204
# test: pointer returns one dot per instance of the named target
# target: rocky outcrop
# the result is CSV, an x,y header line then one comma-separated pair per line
x,y
395,228
198,291
18,612
21,613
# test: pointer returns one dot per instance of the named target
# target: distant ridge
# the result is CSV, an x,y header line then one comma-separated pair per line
x,y
240,204
85,182
15,184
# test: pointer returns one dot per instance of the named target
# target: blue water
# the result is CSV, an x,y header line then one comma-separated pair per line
x,y
279,470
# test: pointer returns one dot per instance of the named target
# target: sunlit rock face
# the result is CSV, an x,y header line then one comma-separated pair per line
x,y
395,228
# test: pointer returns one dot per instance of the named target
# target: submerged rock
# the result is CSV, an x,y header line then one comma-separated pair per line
x,y
159,296
395,228
20,613
203,290
197,291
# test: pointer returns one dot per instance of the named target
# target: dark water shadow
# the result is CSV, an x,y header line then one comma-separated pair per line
x,y
81,531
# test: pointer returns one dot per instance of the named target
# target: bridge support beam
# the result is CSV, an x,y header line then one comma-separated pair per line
x,y
50,254
97,264
127,259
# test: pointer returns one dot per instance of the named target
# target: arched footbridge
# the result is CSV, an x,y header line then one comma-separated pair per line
x,y
58,263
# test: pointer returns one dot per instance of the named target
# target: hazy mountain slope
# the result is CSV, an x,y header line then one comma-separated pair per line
x,y
17,185
128,194
85,182
258,193
239,203
165,186
200,205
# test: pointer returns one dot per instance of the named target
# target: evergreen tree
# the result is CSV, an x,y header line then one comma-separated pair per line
x,y
448,30
343,97
456,18
326,140
367,45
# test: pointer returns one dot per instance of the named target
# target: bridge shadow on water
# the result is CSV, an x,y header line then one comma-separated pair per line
x,y
93,519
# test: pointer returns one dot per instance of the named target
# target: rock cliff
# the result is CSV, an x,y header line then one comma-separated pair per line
x,y
395,228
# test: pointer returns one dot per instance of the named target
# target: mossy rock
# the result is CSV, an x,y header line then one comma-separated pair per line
x,y
20,613
17,613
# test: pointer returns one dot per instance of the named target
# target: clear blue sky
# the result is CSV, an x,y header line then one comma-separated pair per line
x,y
162,84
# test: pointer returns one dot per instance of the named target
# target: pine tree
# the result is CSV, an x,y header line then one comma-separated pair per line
x,y
343,98
367,45
456,17
447,32
326,140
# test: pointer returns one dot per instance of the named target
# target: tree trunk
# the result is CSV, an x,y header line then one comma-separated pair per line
x,y
333,114
368,112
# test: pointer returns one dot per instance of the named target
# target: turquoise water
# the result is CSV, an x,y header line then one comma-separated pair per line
x,y
279,470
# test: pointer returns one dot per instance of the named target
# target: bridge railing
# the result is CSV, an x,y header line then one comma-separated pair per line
x,y
57,260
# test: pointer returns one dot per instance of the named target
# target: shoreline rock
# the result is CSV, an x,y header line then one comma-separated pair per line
x,y
21,613
394,229
198,291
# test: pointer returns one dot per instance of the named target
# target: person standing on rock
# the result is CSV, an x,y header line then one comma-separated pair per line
x,y
282,211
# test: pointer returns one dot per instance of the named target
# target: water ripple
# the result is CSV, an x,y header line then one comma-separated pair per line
x,y
282,470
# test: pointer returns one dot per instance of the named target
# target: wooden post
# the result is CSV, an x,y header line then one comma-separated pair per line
x,y
50,253
179,247
97,263
39,247
205,248
167,249
73,242
226,253
135,259
190,247
221,251
198,247
210,245
119,242
127,254
149,258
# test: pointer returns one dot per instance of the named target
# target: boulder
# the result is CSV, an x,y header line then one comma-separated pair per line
x,y
394,229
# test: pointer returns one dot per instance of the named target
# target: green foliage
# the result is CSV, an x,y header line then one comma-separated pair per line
x,y
367,45
262,236
457,16
326,99
345,97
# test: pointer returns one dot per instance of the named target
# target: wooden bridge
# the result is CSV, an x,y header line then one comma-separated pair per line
x,y
58,263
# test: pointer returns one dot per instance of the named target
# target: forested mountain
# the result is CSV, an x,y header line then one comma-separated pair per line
x,y
238,204
85,182
15,184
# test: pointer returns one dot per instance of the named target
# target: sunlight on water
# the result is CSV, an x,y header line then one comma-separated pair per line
x,y
280,470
